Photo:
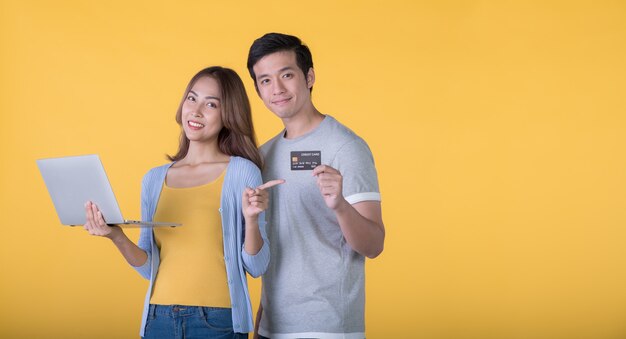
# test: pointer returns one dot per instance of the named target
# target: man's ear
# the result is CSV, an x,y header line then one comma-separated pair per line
x,y
310,77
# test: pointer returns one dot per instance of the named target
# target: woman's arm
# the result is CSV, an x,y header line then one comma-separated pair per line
x,y
95,225
255,201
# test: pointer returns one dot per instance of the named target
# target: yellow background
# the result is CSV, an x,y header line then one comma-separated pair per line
x,y
498,129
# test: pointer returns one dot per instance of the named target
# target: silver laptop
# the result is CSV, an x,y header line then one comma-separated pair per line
x,y
72,181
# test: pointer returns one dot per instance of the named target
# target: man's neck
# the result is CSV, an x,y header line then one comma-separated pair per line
x,y
302,124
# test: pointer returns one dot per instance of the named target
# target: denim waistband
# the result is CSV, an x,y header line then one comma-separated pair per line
x,y
183,310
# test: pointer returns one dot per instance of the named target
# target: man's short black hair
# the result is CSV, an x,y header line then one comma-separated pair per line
x,y
278,42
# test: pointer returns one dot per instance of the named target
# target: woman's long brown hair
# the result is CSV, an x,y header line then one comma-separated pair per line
x,y
237,137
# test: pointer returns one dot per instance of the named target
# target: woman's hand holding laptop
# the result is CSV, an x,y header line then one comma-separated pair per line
x,y
95,224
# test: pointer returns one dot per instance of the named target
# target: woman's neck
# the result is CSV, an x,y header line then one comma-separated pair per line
x,y
204,152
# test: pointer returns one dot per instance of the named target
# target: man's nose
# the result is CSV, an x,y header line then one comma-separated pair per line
x,y
278,87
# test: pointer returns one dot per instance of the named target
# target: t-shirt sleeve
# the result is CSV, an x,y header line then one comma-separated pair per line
x,y
355,162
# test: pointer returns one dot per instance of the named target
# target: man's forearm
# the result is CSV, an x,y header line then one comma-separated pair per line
x,y
362,226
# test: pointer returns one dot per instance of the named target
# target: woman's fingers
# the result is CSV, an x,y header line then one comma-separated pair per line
x,y
271,183
95,223
258,198
88,211
88,217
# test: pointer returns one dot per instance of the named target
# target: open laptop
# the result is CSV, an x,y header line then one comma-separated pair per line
x,y
72,181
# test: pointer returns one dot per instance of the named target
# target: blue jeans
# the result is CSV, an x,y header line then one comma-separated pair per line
x,y
189,322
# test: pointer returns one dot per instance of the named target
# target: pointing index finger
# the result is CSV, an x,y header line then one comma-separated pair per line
x,y
271,183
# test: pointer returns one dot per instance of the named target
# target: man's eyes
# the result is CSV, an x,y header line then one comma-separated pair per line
x,y
284,76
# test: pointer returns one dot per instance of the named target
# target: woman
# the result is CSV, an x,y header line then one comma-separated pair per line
x,y
200,289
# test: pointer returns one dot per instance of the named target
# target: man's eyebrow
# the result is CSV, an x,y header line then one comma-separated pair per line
x,y
287,68
207,97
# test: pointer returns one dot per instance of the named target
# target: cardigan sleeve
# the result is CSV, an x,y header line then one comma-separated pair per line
x,y
145,238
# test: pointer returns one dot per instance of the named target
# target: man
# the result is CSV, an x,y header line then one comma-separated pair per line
x,y
327,217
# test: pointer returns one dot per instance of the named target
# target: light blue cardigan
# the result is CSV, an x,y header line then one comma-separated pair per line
x,y
240,173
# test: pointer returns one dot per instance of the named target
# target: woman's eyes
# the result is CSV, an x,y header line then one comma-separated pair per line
x,y
191,98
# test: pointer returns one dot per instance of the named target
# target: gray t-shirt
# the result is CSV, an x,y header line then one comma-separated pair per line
x,y
314,287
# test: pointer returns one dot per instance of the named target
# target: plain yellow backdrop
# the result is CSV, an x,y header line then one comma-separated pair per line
x,y
498,129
